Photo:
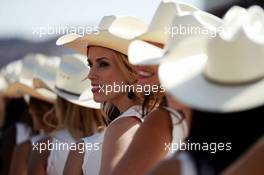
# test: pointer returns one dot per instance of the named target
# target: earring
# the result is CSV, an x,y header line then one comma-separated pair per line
x,y
130,95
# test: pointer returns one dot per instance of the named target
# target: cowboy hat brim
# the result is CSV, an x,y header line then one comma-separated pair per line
x,y
103,39
85,99
18,90
190,86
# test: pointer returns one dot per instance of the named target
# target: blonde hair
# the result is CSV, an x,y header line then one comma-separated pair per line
x,y
80,121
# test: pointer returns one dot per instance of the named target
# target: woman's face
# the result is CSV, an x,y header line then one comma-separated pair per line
x,y
104,74
147,75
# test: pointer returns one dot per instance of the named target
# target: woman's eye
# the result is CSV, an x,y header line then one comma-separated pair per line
x,y
103,64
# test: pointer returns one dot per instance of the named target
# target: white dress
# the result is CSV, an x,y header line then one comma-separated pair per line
x,y
179,130
35,138
61,140
187,164
92,158
23,132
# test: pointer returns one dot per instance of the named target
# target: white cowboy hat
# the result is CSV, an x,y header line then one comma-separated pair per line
x,y
231,78
114,32
3,83
186,33
31,65
70,81
12,71
162,19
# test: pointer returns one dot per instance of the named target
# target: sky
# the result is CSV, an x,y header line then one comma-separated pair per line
x,y
25,19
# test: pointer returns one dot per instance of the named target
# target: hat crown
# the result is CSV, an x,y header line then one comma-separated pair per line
x,y
197,26
12,71
123,26
236,54
48,70
30,64
72,73
162,19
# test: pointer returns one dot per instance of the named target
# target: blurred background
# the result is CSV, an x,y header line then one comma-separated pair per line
x,y
29,25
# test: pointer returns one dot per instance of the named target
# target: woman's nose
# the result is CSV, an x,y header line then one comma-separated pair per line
x,y
92,74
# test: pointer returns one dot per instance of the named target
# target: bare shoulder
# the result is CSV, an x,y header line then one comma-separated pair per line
x,y
157,119
122,125
168,167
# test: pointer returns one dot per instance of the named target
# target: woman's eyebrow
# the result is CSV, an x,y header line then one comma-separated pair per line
x,y
100,59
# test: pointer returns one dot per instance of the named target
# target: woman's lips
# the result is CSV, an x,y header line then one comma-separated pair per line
x,y
95,88
144,74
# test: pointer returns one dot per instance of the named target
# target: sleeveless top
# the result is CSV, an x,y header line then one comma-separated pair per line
x,y
92,157
61,141
186,163
35,138
23,132
180,130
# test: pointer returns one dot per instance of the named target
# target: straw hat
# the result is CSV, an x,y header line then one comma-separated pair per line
x,y
11,71
186,35
231,78
69,82
162,19
114,32
31,65
3,83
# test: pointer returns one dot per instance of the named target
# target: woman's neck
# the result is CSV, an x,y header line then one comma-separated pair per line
x,y
123,103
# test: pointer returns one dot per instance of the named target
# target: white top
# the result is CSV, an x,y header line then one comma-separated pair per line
x,y
179,130
186,163
22,132
61,140
92,158
35,138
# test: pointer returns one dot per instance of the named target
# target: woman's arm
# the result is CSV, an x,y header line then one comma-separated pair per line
x,y
168,167
74,163
117,138
38,160
20,159
250,163
148,145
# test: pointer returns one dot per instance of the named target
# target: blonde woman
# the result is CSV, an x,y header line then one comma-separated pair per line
x,y
109,68
20,158
76,116
20,76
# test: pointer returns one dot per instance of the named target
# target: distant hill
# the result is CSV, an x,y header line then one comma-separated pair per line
x,y
14,49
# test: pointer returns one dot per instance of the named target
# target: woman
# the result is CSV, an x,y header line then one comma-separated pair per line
x,y
41,102
172,124
227,102
20,159
75,117
109,68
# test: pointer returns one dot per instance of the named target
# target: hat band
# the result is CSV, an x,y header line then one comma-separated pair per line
x,y
208,78
66,91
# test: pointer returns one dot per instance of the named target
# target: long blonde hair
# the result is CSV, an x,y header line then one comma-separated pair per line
x,y
80,121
